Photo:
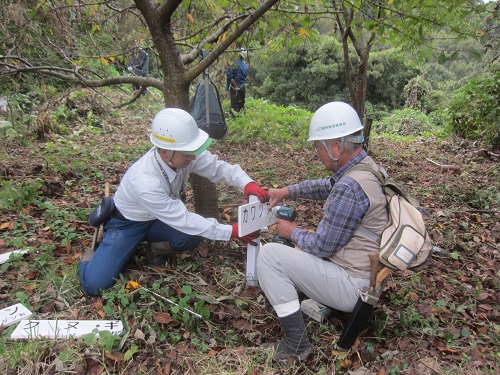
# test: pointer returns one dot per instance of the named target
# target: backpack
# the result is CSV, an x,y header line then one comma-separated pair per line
x,y
208,114
404,242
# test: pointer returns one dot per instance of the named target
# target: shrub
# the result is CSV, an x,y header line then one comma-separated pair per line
x,y
405,122
271,123
474,109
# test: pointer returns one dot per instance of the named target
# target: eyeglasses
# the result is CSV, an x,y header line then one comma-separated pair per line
x,y
187,156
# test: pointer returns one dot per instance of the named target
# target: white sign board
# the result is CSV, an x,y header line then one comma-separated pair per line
x,y
4,257
254,216
13,314
63,329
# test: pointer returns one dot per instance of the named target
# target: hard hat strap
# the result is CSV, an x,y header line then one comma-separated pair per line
x,y
335,160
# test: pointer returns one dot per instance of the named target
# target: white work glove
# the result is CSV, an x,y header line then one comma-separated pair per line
x,y
129,68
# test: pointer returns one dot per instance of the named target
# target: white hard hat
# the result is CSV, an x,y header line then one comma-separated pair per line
x,y
334,120
175,129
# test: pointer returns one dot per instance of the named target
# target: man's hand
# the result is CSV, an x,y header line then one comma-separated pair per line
x,y
277,195
248,238
285,228
253,189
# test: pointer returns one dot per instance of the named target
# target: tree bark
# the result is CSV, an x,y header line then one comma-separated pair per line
x,y
205,196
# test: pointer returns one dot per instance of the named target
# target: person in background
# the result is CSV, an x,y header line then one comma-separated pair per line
x,y
139,63
236,75
149,202
331,264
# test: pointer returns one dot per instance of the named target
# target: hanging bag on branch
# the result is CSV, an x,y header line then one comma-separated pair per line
x,y
206,108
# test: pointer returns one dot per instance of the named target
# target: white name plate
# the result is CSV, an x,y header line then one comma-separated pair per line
x,y
254,216
13,314
5,257
63,329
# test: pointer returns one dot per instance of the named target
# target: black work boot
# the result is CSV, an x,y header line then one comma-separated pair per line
x,y
158,253
296,342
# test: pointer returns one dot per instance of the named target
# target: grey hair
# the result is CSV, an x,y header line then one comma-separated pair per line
x,y
353,141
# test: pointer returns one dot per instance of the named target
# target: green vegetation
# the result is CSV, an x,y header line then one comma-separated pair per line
x,y
49,218
475,113
264,121
60,142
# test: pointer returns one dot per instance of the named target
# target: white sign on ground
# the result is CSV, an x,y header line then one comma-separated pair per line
x,y
4,257
254,216
63,329
13,314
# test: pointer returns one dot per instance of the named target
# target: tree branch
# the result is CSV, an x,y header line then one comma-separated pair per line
x,y
195,71
167,9
73,75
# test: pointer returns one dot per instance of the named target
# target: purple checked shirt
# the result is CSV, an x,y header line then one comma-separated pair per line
x,y
346,204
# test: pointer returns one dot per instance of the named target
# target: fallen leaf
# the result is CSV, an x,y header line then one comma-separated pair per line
x,y
115,356
482,315
167,369
93,367
203,249
182,348
162,317
31,275
30,286
5,225
138,334
483,296
486,307
345,363
49,307
413,296
243,325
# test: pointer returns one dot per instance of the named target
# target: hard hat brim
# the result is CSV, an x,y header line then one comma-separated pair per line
x,y
200,149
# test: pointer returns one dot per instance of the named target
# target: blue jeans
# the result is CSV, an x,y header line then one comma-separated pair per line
x,y
121,239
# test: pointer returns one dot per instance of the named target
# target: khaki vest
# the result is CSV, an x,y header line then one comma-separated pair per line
x,y
354,255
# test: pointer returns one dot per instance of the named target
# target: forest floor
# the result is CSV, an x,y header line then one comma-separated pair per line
x,y
441,320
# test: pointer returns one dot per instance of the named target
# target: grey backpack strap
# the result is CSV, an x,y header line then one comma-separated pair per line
x,y
368,233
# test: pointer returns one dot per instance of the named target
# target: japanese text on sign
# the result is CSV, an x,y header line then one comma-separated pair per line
x,y
61,329
13,314
254,216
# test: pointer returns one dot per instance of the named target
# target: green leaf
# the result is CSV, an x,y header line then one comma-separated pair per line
x,y
465,332
187,289
442,58
129,353
477,55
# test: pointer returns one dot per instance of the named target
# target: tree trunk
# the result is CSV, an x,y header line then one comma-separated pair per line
x,y
176,94
205,196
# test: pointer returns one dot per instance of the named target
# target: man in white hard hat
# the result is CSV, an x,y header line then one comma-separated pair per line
x,y
331,264
149,205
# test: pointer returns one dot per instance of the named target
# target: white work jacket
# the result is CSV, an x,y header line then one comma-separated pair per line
x,y
145,194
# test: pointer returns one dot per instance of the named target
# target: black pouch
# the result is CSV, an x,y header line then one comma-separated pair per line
x,y
102,212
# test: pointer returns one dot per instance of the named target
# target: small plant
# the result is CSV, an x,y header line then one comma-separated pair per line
x,y
15,196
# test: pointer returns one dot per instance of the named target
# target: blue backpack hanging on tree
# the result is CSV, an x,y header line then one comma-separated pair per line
x,y
206,108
